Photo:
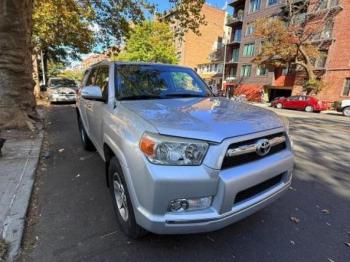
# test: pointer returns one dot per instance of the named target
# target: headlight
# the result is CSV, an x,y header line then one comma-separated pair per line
x,y
166,150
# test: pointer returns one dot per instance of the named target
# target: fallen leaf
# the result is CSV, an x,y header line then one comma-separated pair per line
x,y
211,239
328,224
78,175
325,211
330,260
292,242
82,158
292,188
347,244
295,220
61,150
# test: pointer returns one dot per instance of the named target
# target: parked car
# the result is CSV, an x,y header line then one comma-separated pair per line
x,y
61,90
343,106
307,103
179,160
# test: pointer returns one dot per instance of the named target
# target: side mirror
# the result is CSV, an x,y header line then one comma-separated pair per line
x,y
43,87
92,93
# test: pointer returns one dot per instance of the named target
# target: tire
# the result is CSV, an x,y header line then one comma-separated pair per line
x,y
123,207
279,106
346,111
309,109
85,140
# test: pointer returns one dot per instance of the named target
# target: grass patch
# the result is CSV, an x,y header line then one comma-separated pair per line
x,y
3,250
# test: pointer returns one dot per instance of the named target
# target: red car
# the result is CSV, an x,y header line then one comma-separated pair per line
x,y
307,103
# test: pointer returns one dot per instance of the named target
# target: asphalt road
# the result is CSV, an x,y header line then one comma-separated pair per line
x,y
71,217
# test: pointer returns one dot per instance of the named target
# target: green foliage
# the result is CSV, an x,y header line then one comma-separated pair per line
x,y
54,68
313,86
150,41
116,18
73,74
61,28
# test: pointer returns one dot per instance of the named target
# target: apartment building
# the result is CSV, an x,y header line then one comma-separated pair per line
x,y
260,83
203,51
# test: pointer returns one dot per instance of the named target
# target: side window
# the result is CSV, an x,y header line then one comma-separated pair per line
x,y
103,80
92,78
84,79
184,81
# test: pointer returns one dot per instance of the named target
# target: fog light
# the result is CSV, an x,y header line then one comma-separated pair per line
x,y
191,204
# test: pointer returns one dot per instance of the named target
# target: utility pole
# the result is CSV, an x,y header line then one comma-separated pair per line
x,y
43,67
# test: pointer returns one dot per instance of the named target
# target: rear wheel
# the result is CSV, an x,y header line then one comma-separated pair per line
x,y
346,111
309,109
279,106
121,201
85,140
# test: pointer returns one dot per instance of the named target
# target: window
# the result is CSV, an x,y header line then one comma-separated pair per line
x,y
346,90
322,4
248,49
261,70
92,77
272,2
250,30
254,6
246,70
235,55
102,80
237,36
320,62
327,31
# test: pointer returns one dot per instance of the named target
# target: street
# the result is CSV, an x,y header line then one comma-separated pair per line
x,y
71,216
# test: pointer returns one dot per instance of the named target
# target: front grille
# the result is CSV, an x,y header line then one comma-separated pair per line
x,y
259,188
244,152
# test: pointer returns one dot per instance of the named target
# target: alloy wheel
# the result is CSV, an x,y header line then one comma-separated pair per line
x,y
120,197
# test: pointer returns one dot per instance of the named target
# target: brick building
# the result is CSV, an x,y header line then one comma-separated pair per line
x,y
260,83
201,51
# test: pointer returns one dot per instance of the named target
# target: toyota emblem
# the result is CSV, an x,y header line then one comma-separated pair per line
x,y
262,147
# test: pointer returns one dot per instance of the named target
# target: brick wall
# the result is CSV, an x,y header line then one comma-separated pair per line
x,y
196,49
338,61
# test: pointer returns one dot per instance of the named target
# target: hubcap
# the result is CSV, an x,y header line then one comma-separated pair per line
x,y
347,111
120,197
309,109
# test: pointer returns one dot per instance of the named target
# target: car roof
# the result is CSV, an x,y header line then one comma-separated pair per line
x,y
108,62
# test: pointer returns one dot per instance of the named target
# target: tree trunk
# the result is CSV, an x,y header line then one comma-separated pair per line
x,y
17,101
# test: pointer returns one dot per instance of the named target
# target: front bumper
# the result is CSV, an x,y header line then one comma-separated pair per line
x,y
161,184
62,98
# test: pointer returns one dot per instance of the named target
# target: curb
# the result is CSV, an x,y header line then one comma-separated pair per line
x,y
14,224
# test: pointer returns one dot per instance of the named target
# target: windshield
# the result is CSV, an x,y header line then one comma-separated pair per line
x,y
158,82
56,83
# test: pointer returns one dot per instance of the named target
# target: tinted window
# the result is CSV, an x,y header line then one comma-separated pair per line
x,y
153,81
102,80
92,77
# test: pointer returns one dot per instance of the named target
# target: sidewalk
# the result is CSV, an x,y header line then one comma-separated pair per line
x,y
18,163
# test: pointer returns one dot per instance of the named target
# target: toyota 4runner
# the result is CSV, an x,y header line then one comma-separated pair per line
x,y
179,160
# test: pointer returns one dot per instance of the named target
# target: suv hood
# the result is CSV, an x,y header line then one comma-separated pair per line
x,y
211,119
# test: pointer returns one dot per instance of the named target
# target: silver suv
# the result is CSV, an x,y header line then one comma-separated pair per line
x,y
179,160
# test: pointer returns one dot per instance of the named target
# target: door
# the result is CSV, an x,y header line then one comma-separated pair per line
x,y
290,102
99,108
86,105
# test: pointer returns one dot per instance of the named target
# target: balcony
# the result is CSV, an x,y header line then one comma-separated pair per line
x,y
236,19
235,2
331,7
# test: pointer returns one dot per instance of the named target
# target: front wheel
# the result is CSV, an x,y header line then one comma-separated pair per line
x,y
309,109
279,106
346,111
123,207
